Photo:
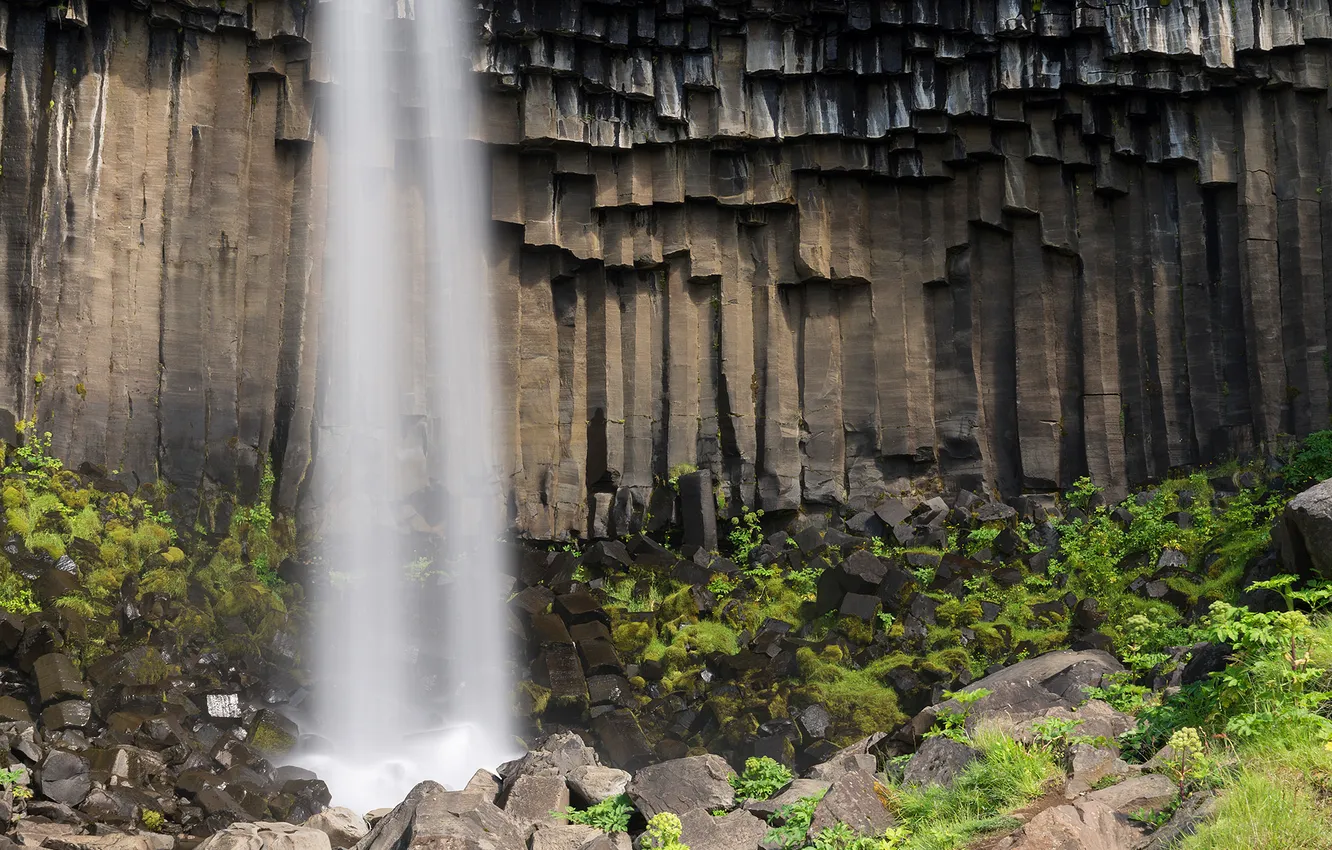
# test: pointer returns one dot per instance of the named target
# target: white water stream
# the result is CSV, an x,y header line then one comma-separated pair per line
x,y
411,677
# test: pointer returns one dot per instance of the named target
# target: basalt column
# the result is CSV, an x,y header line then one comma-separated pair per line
x,y
831,249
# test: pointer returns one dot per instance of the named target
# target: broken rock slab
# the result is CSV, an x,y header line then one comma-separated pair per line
x,y
683,785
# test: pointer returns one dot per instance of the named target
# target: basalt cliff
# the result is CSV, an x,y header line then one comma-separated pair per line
x,y
824,249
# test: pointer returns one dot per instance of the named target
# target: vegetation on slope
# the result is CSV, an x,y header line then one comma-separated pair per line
x,y
116,569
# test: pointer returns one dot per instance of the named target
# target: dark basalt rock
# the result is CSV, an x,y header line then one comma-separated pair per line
x,y
938,761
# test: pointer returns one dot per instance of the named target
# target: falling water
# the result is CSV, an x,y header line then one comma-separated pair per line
x,y
411,671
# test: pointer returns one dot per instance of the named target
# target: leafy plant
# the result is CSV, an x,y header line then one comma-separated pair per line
x,y
761,778
794,819
952,723
746,535
152,820
1187,762
1055,736
610,815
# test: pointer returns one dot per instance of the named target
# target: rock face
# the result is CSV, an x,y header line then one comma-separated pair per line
x,y
818,250
160,235
822,249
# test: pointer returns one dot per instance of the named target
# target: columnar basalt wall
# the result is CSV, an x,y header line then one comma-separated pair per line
x,y
833,248
161,206
823,248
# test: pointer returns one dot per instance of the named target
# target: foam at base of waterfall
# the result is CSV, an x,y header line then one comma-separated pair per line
x,y
450,756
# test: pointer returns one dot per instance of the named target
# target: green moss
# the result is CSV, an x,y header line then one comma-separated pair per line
x,y
533,698
166,581
959,612
707,637
270,740
856,630
16,519
631,638
173,556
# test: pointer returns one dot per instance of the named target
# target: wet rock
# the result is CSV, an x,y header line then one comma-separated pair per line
x,y
342,826
271,733
621,739
69,714
591,784
854,800
64,777
938,761
739,830
57,678
266,836
223,706
12,710
683,785
814,721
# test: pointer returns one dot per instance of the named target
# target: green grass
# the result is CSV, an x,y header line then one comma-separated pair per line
x,y
1266,806
1008,776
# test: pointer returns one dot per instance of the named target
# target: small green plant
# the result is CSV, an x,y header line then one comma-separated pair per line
x,y
152,821
663,832
952,723
746,535
795,819
761,778
1055,736
1081,493
610,815
1187,761
677,472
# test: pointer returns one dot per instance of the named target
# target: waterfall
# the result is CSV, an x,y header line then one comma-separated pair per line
x,y
410,663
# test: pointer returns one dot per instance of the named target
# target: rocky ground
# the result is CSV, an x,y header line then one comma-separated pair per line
x,y
148,674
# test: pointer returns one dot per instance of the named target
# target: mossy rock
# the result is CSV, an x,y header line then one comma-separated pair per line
x,y
272,734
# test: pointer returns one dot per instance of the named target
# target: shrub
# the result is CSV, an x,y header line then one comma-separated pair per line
x,y
610,815
1311,462
762,777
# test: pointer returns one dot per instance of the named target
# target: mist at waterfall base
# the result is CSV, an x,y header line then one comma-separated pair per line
x,y
411,680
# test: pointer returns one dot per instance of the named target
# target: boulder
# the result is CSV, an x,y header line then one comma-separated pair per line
x,y
114,841
266,836
1304,535
854,799
1026,690
683,785
67,714
485,783
57,678
64,777
1150,791
13,710
342,826
939,761
843,763
567,836
593,783
739,830
432,817
1089,764
1084,825
532,797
